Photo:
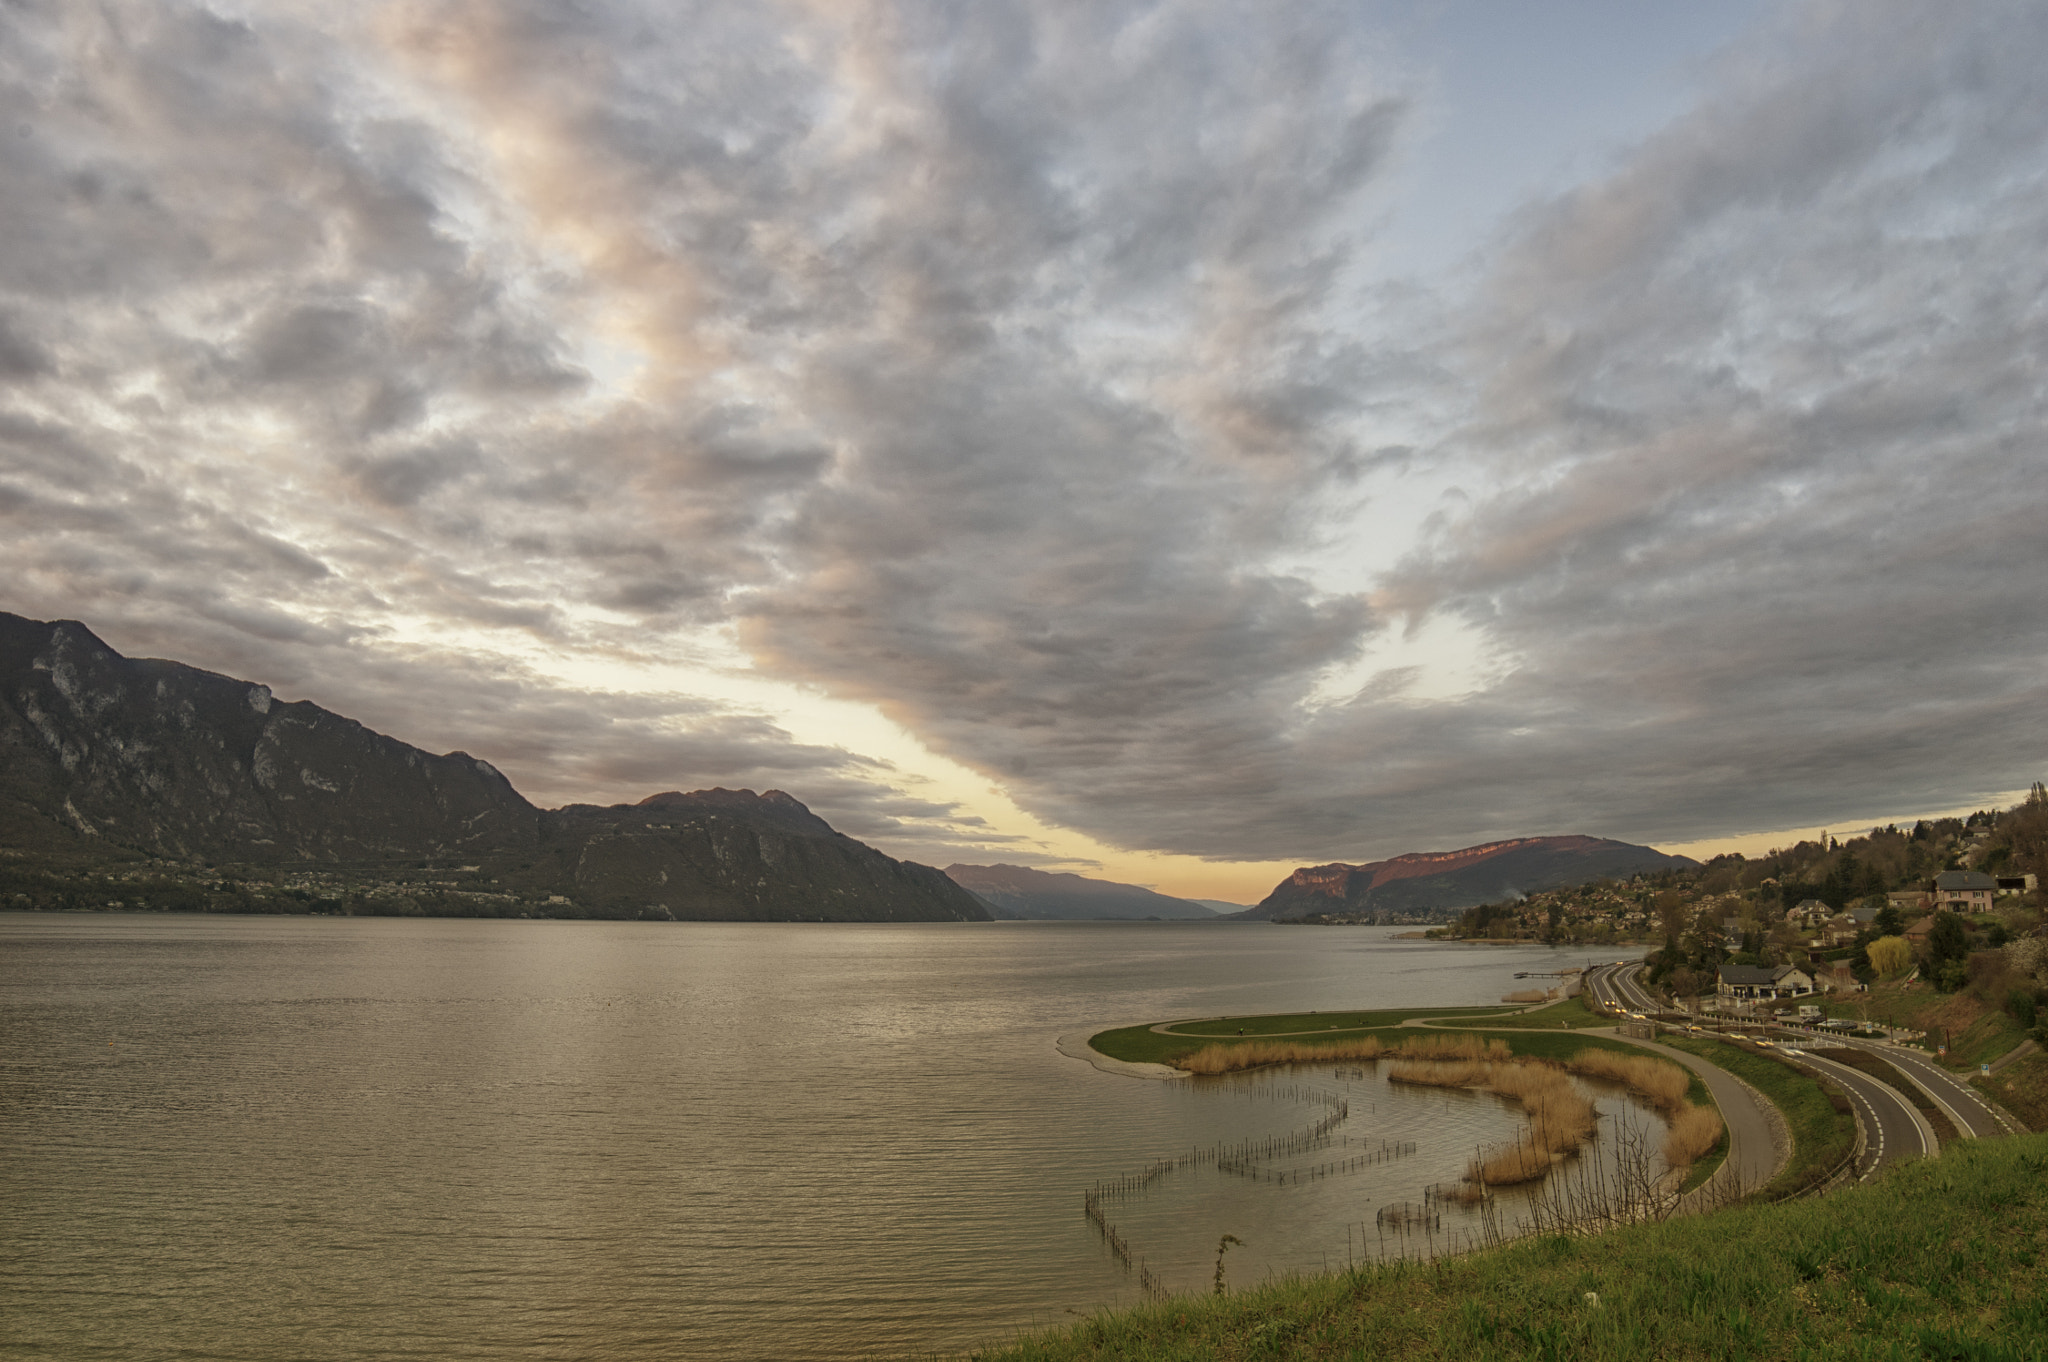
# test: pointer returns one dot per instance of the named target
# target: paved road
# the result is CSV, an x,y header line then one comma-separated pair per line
x,y
1965,1106
1893,1128
1617,984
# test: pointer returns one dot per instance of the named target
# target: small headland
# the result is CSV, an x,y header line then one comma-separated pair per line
x,y
1527,1056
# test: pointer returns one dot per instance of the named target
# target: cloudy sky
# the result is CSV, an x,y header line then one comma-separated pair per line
x,y
1171,441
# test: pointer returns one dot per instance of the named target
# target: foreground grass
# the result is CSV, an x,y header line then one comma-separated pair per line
x,y
1822,1134
1944,1259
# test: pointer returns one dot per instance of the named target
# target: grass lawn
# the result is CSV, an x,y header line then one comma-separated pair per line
x,y
1939,1258
1821,1135
1292,1023
1565,1016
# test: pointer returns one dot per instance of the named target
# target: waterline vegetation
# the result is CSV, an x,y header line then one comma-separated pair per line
x,y
1529,1067
1936,1258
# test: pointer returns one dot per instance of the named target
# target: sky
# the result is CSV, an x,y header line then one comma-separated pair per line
x,y
1172,442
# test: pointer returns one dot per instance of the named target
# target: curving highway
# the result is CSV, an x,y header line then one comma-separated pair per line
x,y
1616,985
1893,1128
1972,1114
1965,1106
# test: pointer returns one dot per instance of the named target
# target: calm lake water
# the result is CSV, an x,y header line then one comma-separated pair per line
x,y
271,1138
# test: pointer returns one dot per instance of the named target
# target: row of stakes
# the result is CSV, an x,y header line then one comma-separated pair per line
x,y
1242,1159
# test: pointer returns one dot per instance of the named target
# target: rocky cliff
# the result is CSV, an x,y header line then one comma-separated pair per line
x,y
106,759
1439,883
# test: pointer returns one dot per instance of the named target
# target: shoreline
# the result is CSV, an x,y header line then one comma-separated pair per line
x,y
1074,1045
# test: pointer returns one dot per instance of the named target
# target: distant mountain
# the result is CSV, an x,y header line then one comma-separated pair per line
x,y
112,760
1017,892
1221,905
733,855
1438,884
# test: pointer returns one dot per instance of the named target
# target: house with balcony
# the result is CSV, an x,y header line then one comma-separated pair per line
x,y
1964,891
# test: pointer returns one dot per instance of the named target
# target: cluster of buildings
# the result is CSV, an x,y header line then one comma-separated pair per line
x,y
1965,892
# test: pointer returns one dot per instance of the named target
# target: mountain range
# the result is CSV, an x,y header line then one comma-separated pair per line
x,y
242,799
1436,884
107,760
1018,892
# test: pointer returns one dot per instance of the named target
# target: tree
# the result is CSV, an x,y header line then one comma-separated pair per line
x,y
1887,921
1889,955
1947,940
1671,916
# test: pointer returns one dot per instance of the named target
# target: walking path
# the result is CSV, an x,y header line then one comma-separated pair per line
x,y
2020,1051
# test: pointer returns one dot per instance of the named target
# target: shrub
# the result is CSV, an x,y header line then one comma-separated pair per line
x,y
1890,954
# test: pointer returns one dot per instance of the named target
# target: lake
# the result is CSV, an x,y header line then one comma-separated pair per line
x,y
358,1138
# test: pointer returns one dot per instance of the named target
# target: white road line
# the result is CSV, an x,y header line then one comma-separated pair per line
x,y
1929,1143
1915,1063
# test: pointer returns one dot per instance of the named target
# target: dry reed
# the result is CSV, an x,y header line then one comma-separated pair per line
x,y
1691,1131
1692,1134
1561,1118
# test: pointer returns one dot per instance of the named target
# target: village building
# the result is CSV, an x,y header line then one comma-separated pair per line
x,y
1964,891
1764,981
1809,913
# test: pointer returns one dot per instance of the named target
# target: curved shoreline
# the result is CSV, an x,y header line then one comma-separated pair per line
x,y
1074,1045
1756,1151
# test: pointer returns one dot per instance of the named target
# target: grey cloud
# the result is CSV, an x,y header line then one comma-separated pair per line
x,y
1769,531
402,477
991,358
1753,515
20,356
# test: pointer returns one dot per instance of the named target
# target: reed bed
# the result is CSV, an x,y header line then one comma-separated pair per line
x,y
1692,1135
1692,1132
1254,1054
1561,1118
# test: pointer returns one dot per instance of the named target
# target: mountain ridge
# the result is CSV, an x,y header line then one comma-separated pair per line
x,y
1431,885
107,760
1027,894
